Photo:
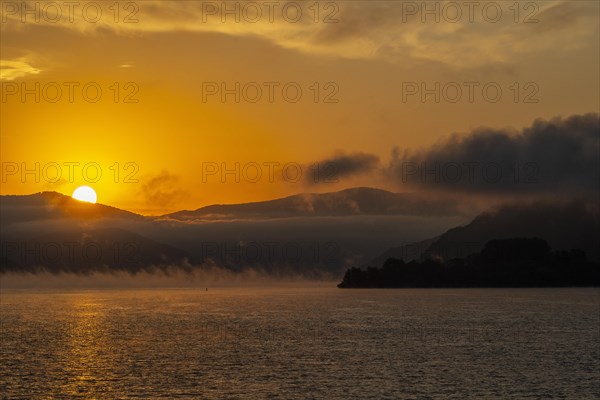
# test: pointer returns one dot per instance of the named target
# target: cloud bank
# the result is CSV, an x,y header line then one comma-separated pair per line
x,y
549,157
340,166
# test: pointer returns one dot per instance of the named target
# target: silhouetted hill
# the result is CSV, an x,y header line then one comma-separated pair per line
x,y
88,250
407,252
53,205
314,235
520,262
306,244
563,225
355,201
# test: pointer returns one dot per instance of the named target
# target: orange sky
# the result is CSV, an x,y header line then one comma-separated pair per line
x,y
175,49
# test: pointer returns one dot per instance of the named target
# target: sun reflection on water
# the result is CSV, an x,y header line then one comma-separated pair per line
x,y
86,349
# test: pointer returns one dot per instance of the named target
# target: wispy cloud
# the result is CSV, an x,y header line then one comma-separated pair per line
x,y
382,30
14,69
162,190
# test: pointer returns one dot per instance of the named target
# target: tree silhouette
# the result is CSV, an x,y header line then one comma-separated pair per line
x,y
518,262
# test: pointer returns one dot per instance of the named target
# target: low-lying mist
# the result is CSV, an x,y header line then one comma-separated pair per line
x,y
203,278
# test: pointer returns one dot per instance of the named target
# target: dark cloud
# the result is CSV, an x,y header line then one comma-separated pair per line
x,y
161,190
558,156
341,166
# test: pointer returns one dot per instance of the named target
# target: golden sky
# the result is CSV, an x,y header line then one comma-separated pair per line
x,y
158,125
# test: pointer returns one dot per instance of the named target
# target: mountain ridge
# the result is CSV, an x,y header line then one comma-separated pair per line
x,y
346,202
565,226
55,205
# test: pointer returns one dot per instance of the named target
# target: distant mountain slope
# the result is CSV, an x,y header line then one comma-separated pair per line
x,y
252,236
53,205
355,201
407,252
87,250
564,226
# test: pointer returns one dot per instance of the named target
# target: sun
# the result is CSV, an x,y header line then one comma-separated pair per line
x,y
85,193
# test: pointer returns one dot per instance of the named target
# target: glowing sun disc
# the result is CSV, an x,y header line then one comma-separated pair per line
x,y
85,193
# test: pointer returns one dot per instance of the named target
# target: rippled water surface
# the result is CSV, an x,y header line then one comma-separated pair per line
x,y
322,343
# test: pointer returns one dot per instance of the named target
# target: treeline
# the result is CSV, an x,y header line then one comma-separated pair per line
x,y
501,263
